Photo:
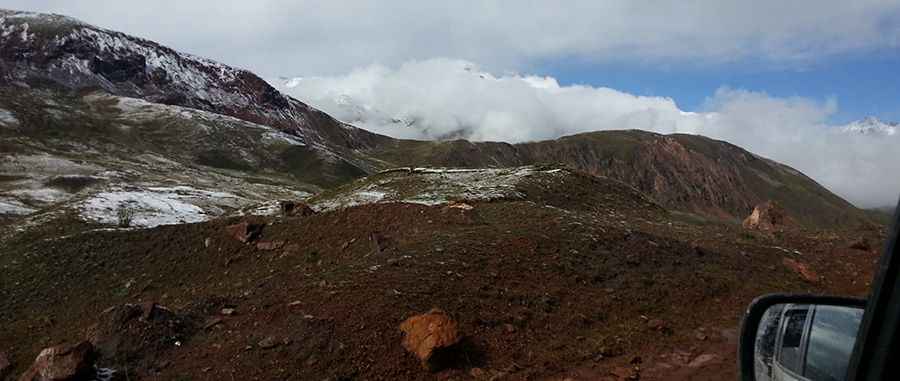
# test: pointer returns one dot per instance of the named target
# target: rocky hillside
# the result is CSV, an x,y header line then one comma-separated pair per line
x,y
683,172
88,155
543,272
110,101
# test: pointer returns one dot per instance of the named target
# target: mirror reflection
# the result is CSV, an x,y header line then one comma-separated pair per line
x,y
805,342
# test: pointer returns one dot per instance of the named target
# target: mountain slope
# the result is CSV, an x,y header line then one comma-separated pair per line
x,y
87,155
42,50
683,172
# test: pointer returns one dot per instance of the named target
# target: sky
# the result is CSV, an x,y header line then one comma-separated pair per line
x,y
776,77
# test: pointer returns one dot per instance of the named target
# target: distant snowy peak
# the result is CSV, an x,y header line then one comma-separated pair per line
x,y
872,126
37,49
74,52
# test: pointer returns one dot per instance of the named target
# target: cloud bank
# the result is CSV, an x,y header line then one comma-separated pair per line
x,y
277,37
443,98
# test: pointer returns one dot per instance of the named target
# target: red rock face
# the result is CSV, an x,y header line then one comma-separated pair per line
x,y
62,363
425,334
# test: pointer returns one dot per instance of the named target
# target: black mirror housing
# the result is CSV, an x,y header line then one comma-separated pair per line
x,y
759,307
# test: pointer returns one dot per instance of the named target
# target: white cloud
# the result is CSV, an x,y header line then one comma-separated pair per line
x,y
443,98
276,37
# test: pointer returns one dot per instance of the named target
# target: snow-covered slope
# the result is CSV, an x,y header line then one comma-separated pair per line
x,y
39,48
89,156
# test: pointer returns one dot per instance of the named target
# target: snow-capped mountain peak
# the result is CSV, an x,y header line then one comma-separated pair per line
x,y
872,126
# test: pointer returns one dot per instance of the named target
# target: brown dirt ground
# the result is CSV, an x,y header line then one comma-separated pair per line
x,y
541,292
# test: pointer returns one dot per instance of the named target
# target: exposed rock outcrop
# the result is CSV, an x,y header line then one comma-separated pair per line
x,y
427,335
244,231
295,209
767,216
63,363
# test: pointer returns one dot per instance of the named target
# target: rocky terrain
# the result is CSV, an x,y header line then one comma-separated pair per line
x,y
595,282
151,227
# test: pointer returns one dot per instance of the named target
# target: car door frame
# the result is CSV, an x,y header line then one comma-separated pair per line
x,y
878,340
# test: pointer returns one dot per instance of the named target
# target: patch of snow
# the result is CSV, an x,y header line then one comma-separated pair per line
x,y
139,109
202,76
14,207
279,136
135,109
436,186
156,206
45,163
7,117
270,208
41,195
366,195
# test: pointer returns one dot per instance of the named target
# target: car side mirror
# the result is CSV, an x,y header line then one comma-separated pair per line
x,y
799,337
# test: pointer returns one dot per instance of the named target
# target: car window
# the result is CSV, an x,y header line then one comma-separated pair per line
x,y
831,339
791,354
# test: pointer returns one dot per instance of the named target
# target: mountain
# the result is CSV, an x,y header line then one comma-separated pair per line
x,y
871,126
130,112
682,172
92,119
67,53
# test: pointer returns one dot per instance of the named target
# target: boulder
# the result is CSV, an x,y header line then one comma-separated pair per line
x,y
269,245
63,363
660,326
244,231
428,336
767,216
801,269
861,244
295,209
704,360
